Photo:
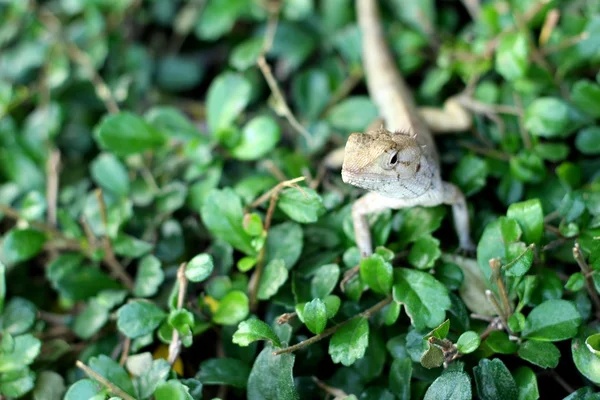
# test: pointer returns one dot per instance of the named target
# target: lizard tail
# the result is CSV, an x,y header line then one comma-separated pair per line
x,y
386,86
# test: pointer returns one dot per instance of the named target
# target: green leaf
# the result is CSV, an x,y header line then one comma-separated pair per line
x,y
259,136
494,243
16,384
304,206
587,141
349,343
113,372
424,297
593,343
83,389
470,174
586,361
172,390
110,174
542,354
417,222
499,342
353,114
512,56
494,381
49,385
315,316
285,241
18,317
553,320
172,122
252,330
527,383
245,54
24,350
521,264
178,73
585,95
218,18
325,280
232,309
126,134
530,216
424,252
128,246
468,342
138,318
576,282
272,377
377,273
547,117
149,277
273,277
451,385
199,268
433,357
224,371
228,95
91,320
311,92
22,244
2,285
400,375
155,375
222,214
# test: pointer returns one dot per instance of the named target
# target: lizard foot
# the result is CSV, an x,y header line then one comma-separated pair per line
x,y
468,250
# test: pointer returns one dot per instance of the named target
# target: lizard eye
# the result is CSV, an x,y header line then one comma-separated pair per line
x,y
392,161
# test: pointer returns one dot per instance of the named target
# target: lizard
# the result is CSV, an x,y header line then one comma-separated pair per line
x,y
397,162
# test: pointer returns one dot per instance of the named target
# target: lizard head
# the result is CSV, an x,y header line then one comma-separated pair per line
x,y
380,158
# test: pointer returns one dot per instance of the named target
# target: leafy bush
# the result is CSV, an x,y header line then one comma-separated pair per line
x,y
169,230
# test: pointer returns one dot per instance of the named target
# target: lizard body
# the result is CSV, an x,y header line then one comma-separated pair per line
x,y
398,163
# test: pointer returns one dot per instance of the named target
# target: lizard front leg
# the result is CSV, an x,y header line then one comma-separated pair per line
x,y
454,197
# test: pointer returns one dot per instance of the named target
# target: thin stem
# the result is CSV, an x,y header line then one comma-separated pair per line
x,y
496,306
486,152
175,346
365,314
114,389
589,283
495,265
125,351
52,167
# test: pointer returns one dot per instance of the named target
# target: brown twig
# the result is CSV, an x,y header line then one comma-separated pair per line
x,y
125,351
492,153
333,391
496,306
495,265
175,346
114,389
568,42
52,167
589,283
285,318
365,314
550,22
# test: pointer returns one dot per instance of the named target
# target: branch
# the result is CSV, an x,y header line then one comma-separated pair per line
x,y
589,283
175,346
365,314
109,385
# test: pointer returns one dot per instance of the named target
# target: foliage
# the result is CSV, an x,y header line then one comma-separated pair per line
x,y
169,230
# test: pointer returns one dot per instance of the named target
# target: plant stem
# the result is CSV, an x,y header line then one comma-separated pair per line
x,y
589,283
495,265
175,346
109,385
365,314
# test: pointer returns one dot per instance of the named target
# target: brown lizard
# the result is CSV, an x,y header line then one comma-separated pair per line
x,y
398,163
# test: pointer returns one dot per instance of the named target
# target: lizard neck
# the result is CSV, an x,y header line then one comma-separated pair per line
x,y
386,86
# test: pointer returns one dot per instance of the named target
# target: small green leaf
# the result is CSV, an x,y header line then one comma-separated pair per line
x,y
156,374
349,343
304,206
110,174
433,357
424,298
530,216
91,320
149,277
470,174
542,354
512,56
259,136
547,117
228,95
138,318
499,342
172,390
126,133
252,330
526,383
332,304
285,241
576,282
377,273
441,331
113,372
585,94
22,244
353,114
273,277
315,316
586,361
224,371
232,309
245,54
24,350
553,320
199,268
222,214
400,376
451,385
587,141
325,280
18,317
272,377
16,384
593,343
424,252
494,381
521,264
49,385
83,389
468,342
128,246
